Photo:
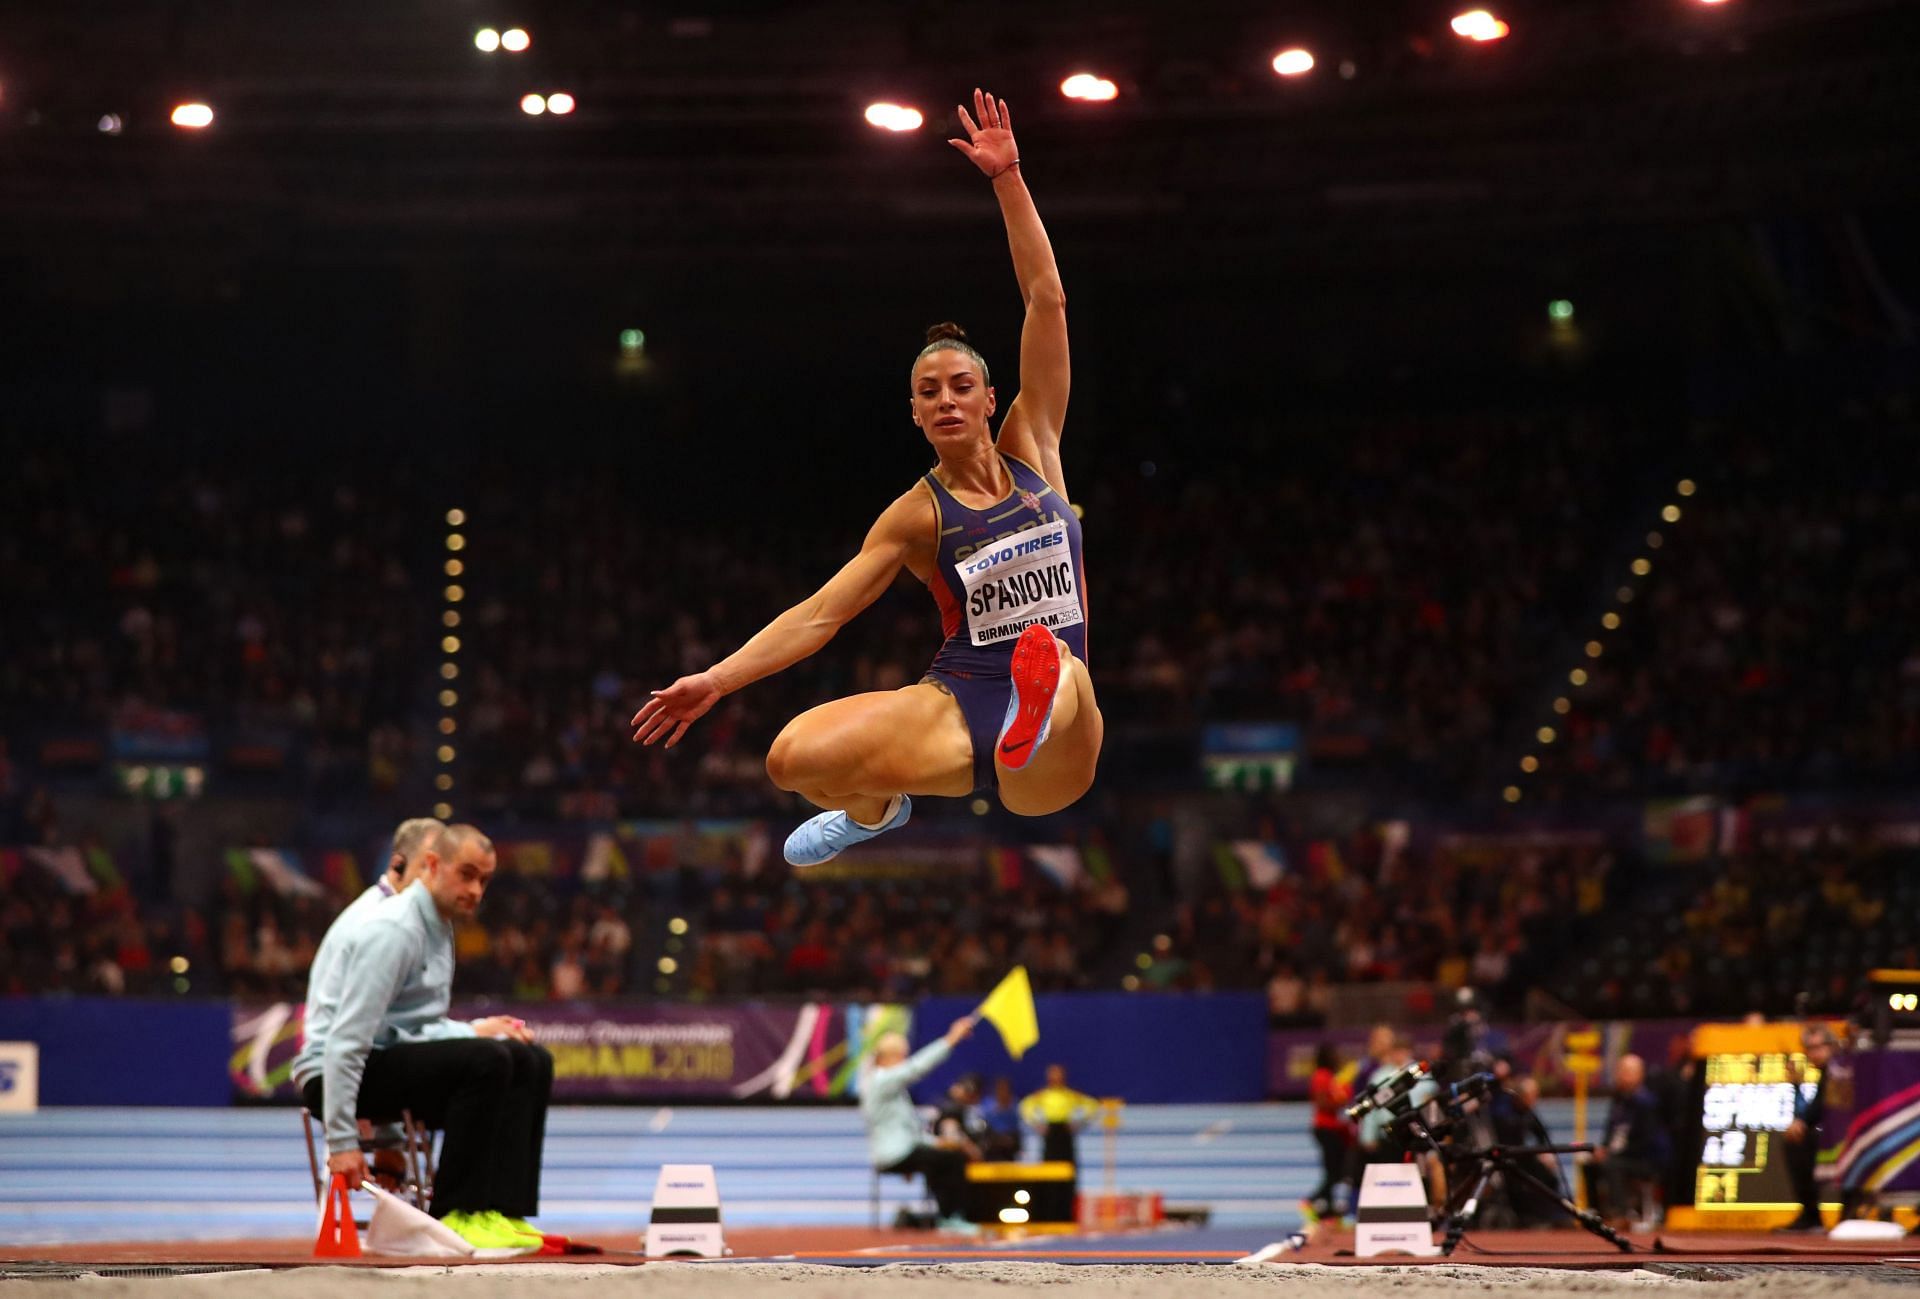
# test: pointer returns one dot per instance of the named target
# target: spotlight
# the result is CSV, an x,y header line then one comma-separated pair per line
x,y
1641,567
1595,649
633,341
533,105
1084,85
455,594
192,117
1545,735
449,671
560,102
456,517
894,117
1560,309
1563,705
1671,514
450,619
1624,595
486,40
979,806
1293,63
110,124
1686,487
1511,793
1578,676
1610,620
677,925
455,541
1479,25
448,726
1655,541
455,568
444,753
451,644
444,811
443,782
1529,764
515,40
668,965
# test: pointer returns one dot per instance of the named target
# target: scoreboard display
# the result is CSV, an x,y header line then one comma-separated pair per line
x,y
1751,1078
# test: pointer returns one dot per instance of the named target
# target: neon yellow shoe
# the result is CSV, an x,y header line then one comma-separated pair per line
x,y
489,1230
552,1241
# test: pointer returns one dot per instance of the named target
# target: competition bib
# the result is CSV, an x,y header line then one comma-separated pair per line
x,y
1013,584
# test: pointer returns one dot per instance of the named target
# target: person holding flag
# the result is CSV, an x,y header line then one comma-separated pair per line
x,y
895,1140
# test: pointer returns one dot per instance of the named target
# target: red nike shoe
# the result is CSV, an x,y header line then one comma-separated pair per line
x,y
1036,679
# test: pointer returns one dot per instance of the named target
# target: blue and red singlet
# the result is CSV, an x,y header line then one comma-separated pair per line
x,y
997,572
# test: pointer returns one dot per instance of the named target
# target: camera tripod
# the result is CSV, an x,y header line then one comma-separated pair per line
x,y
1492,1159
1510,1160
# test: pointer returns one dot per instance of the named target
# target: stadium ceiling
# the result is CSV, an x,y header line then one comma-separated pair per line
x,y
736,127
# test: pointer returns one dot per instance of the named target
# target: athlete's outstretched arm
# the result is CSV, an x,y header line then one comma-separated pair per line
x,y
1034,423
799,631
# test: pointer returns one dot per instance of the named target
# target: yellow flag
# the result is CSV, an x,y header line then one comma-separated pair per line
x,y
1009,1008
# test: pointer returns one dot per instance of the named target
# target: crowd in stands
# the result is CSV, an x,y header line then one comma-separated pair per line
x,y
1777,645
213,602
1787,925
1408,591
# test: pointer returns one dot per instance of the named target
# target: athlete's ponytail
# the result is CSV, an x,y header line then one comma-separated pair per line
x,y
949,337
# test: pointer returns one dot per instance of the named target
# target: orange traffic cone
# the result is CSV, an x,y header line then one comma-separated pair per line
x,y
339,1238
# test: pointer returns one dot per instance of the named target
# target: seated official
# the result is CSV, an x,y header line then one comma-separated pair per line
x,y
413,841
895,1140
1636,1149
958,1123
382,1043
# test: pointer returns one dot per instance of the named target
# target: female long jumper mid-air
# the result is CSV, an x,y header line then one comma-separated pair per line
x,y
989,529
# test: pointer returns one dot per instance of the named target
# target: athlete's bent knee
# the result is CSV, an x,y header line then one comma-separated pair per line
x,y
787,765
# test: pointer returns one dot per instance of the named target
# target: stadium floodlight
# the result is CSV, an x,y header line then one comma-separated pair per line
x,y
486,40
1086,86
1293,62
894,117
515,40
1479,25
560,102
192,117
533,105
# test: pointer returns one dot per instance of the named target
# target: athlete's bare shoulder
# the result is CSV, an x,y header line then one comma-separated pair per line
x,y
913,519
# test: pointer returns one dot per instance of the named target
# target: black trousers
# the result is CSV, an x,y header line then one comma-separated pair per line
x,y
1057,1144
1802,1158
1333,1166
487,1095
946,1174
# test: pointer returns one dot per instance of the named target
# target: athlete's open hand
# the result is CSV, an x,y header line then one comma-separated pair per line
x,y
671,711
989,142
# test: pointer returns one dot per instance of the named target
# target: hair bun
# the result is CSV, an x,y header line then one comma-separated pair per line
x,y
944,330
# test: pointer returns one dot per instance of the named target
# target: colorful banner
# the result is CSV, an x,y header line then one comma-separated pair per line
x,y
646,1053
1873,1118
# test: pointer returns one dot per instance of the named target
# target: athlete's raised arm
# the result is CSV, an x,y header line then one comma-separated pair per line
x,y
1032,427
799,631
